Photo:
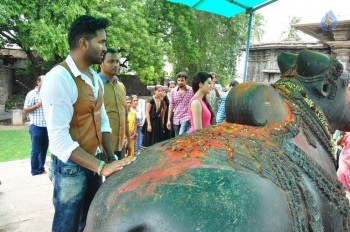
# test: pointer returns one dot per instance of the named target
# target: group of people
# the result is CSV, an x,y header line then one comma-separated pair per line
x,y
184,108
94,128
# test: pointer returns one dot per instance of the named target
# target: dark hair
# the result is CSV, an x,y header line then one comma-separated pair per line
x,y
128,98
202,77
233,83
182,74
109,50
85,26
156,87
171,82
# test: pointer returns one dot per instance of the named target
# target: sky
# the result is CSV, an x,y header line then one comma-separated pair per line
x,y
277,15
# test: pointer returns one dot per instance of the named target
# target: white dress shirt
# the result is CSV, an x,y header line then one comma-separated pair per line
x,y
58,93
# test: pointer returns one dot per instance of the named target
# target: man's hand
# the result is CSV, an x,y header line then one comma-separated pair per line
x,y
38,105
341,138
115,166
127,148
213,87
133,136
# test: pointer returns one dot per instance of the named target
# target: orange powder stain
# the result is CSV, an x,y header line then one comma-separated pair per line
x,y
172,165
187,153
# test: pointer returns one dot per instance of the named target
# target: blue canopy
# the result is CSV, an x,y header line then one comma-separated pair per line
x,y
229,8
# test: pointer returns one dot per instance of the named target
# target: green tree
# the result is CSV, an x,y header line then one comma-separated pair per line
x,y
201,41
149,31
39,28
257,30
130,30
292,33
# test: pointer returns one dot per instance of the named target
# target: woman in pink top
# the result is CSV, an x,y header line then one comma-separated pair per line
x,y
344,161
201,113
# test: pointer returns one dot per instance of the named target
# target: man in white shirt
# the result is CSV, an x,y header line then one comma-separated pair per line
x,y
77,124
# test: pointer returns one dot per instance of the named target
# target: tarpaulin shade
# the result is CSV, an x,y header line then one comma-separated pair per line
x,y
223,7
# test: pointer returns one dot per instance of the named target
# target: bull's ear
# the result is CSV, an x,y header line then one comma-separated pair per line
x,y
328,88
325,88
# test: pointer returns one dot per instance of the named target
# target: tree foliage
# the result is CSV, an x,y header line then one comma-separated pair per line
x,y
39,27
130,31
257,30
292,33
200,41
149,31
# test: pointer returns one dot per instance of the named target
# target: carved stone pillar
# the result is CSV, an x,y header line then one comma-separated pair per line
x,y
5,85
343,55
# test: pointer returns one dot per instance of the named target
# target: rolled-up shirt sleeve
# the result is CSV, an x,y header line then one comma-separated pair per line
x,y
58,94
105,126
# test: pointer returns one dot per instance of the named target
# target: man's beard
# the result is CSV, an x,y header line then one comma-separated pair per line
x,y
93,59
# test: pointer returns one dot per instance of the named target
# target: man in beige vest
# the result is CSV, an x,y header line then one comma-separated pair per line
x,y
77,124
115,103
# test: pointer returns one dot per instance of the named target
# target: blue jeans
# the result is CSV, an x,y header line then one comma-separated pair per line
x,y
40,144
138,141
74,189
182,128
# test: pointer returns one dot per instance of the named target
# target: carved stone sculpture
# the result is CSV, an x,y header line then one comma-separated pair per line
x,y
270,167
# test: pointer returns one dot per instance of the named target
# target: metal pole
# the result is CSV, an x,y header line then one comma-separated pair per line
x,y
247,47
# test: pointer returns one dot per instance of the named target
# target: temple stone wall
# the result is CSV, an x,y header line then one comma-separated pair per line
x,y
10,60
133,85
5,84
263,66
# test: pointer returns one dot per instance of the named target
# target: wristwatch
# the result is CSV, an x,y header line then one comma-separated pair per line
x,y
100,167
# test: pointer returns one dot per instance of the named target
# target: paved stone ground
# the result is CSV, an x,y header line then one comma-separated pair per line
x,y
25,200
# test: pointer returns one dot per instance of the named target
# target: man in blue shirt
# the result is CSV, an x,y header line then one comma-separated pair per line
x,y
221,115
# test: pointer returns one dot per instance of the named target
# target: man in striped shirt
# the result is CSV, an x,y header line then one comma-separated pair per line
x,y
179,101
37,129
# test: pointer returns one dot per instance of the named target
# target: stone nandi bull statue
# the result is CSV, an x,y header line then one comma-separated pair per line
x,y
270,167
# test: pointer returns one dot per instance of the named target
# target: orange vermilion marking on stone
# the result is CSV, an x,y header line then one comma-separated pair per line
x,y
181,155
168,169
